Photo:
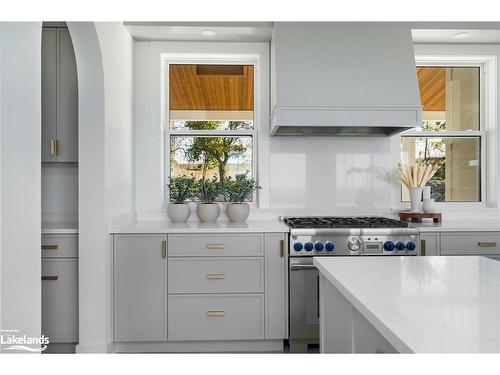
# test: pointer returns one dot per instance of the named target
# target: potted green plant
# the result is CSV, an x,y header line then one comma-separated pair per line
x,y
180,190
237,191
207,191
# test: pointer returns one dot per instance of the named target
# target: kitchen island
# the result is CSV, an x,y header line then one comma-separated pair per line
x,y
447,304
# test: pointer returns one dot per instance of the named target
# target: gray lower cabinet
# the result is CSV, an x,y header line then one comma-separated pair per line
x,y
430,244
470,243
139,287
59,97
60,291
199,287
216,317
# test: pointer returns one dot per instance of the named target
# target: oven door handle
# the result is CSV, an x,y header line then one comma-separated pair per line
x,y
297,267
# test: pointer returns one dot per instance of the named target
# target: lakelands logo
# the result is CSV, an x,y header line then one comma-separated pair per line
x,y
12,340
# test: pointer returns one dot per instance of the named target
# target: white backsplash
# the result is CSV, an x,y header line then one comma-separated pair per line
x,y
330,175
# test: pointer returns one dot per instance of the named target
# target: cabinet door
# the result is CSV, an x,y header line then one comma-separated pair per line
x,y
60,300
139,288
67,99
49,90
429,244
275,286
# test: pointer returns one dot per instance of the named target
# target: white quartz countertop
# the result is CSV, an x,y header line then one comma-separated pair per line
x,y
251,226
59,227
424,304
459,225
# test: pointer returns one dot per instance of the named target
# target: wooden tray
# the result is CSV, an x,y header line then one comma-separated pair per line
x,y
418,216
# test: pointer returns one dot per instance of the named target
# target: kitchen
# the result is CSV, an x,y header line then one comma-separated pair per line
x,y
125,190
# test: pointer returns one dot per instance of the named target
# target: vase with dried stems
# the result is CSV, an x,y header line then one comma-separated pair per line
x,y
415,177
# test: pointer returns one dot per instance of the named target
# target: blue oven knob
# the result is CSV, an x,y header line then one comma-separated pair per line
x,y
319,246
388,245
309,246
400,245
411,246
297,246
329,246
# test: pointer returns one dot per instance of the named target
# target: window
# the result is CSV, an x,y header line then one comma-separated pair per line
x,y
451,133
211,132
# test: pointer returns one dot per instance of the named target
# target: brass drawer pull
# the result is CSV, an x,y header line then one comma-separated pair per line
x,y
50,278
216,313
215,276
49,247
52,147
215,246
487,244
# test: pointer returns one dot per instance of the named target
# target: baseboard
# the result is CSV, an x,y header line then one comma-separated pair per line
x,y
233,346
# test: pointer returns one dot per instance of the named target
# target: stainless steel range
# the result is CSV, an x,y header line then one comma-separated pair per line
x,y
334,236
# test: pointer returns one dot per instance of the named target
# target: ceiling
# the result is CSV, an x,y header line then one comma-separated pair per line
x,y
432,84
191,31
447,36
217,89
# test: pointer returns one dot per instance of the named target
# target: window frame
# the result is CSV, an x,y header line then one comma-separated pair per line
x,y
487,125
215,59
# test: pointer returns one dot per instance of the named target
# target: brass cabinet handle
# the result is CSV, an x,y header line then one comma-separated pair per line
x,y
49,247
282,248
215,276
487,244
422,247
50,278
164,249
215,313
215,246
52,147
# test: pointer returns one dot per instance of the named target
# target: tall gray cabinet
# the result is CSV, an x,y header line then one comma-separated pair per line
x,y
59,97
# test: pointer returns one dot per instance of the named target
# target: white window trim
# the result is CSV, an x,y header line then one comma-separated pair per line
x,y
150,168
213,59
487,120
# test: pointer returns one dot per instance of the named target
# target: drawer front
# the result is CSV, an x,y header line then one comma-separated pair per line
x,y
470,243
186,245
216,317
59,245
215,275
60,300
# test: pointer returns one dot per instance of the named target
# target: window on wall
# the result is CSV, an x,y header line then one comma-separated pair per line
x,y
451,133
211,132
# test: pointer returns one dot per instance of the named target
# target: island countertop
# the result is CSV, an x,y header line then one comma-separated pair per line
x,y
445,304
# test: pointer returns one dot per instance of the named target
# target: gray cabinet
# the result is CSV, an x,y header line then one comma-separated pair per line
x,y
139,288
60,291
200,287
430,244
60,299
470,243
59,97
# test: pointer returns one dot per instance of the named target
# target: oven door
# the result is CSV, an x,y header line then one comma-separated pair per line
x,y
304,299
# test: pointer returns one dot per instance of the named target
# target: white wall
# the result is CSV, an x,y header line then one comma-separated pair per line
x,y
20,126
299,175
104,56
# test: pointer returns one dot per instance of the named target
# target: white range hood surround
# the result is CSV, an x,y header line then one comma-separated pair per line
x,y
336,78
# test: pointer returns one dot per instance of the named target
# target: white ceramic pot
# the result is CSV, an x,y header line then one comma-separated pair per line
x,y
237,212
415,198
178,212
428,205
208,211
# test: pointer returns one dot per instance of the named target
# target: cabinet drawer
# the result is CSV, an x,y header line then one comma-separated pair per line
x,y
216,317
59,245
215,275
215,245
60,300
470,243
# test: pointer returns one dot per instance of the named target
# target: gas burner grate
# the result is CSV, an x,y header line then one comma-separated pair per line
x,y
344,222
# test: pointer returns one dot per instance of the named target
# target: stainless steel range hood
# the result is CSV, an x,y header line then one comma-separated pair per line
x,y
337,78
